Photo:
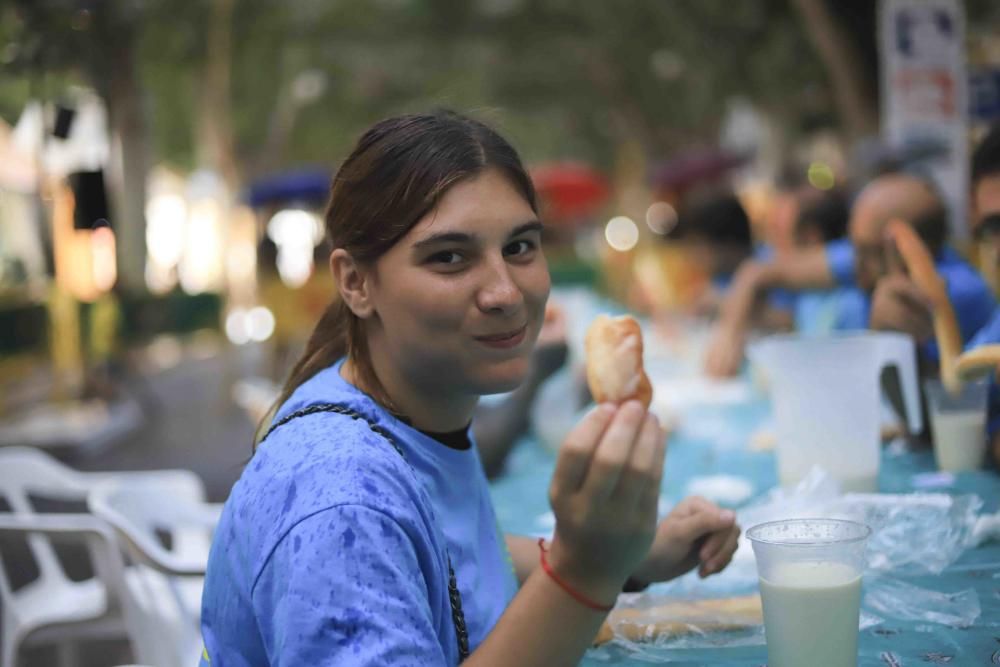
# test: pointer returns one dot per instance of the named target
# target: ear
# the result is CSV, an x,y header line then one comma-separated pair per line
x,y
353,281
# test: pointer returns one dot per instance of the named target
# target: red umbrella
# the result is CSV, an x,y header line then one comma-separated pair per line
x,y
569,191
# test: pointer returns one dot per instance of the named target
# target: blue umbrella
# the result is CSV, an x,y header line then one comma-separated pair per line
x,y
310,186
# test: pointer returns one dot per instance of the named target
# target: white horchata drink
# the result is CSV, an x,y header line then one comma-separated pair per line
x,y
811,614
810,586
958,425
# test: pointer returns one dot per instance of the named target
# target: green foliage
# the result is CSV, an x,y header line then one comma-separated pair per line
x,y
563,78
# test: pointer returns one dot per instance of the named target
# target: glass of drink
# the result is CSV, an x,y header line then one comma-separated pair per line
x,y
810,586
958,424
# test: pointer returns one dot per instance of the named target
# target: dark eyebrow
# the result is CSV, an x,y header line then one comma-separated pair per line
x,y
444,237
462,237
533,226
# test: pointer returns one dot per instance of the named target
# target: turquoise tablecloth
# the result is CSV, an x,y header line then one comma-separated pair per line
x,y
522,507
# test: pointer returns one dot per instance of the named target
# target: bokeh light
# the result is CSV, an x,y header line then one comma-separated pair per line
x,y
661,217
821,176
621,233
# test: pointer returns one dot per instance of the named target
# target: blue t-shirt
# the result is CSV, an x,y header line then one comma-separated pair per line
x,y
990,335
332,549
840,259
778,298
822,311
970,295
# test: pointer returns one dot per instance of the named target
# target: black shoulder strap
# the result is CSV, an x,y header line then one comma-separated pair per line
x,y
454,595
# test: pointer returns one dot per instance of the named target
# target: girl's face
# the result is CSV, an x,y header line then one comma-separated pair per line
x,y
459,300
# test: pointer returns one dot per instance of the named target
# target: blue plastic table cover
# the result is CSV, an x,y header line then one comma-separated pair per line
x,y
522,507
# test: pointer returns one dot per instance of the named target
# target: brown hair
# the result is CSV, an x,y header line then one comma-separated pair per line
x,y
396,174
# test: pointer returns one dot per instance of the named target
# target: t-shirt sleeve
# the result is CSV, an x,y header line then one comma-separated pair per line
x,y
973,302
344,587
989,334
840,258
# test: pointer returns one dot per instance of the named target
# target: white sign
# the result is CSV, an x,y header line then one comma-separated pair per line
x,y
922,48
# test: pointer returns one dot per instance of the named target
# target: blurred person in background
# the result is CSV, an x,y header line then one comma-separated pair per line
x,y
362,532
715,233
985,209
821,219
984,202
892,302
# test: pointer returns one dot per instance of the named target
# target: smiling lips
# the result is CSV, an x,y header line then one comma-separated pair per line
x,y
505,340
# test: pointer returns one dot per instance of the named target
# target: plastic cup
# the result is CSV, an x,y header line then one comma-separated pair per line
x,y
958,424
810,586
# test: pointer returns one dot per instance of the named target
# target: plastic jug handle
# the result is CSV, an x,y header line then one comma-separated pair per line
x,y
898,350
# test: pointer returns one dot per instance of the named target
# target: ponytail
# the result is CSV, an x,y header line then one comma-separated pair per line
x,y
327,343
338,333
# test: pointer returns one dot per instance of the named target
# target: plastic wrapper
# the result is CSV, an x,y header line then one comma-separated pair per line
x,y
920,533
655,621
897,599
915,533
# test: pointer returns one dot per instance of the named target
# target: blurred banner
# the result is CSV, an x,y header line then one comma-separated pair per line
x,y
922,46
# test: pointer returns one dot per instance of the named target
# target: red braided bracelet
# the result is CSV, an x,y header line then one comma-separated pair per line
x,y
576,595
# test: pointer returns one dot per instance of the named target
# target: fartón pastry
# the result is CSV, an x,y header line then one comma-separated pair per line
x,y
920,265
673,618
982,360
614,361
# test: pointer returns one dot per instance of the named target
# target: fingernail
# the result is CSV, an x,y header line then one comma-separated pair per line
x,y
727,515
606,409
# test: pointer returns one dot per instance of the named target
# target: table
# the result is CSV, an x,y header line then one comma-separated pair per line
x,y
713,440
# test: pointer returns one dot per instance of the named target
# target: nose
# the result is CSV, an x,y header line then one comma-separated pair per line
x,y
499,293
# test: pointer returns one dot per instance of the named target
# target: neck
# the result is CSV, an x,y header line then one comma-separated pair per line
x,y
423,404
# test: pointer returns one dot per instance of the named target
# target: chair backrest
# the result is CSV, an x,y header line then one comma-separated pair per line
x,y
26,472
55,603
142,512
145,512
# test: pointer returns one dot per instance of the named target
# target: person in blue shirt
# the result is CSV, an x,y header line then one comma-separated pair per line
x,y
361,532
985,210
892,300
822,223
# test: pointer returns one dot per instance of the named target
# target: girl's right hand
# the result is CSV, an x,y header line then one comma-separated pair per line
x,y
604,494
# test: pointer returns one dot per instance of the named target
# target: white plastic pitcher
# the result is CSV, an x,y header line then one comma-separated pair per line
x,y
826,399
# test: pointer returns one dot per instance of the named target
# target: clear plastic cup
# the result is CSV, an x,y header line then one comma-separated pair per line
x,y
810,586
958,424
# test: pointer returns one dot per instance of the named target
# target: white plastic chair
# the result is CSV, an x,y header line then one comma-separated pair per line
x,y
52,608
86,610
139,513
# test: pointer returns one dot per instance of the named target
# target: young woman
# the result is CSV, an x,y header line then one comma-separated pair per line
x,y
361,532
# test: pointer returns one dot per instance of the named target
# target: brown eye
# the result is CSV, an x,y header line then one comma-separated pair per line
x,y
445,257
519,248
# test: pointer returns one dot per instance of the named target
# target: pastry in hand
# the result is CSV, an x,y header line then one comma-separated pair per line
x,y
614,361
920,265
980,361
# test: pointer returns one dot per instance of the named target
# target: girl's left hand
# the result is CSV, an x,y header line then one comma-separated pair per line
x,y
695,533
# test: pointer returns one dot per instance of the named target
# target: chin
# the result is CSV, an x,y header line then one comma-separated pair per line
x,y
501,378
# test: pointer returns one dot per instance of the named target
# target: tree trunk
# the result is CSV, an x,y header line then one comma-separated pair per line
x,y
130,156
858,111
215,146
